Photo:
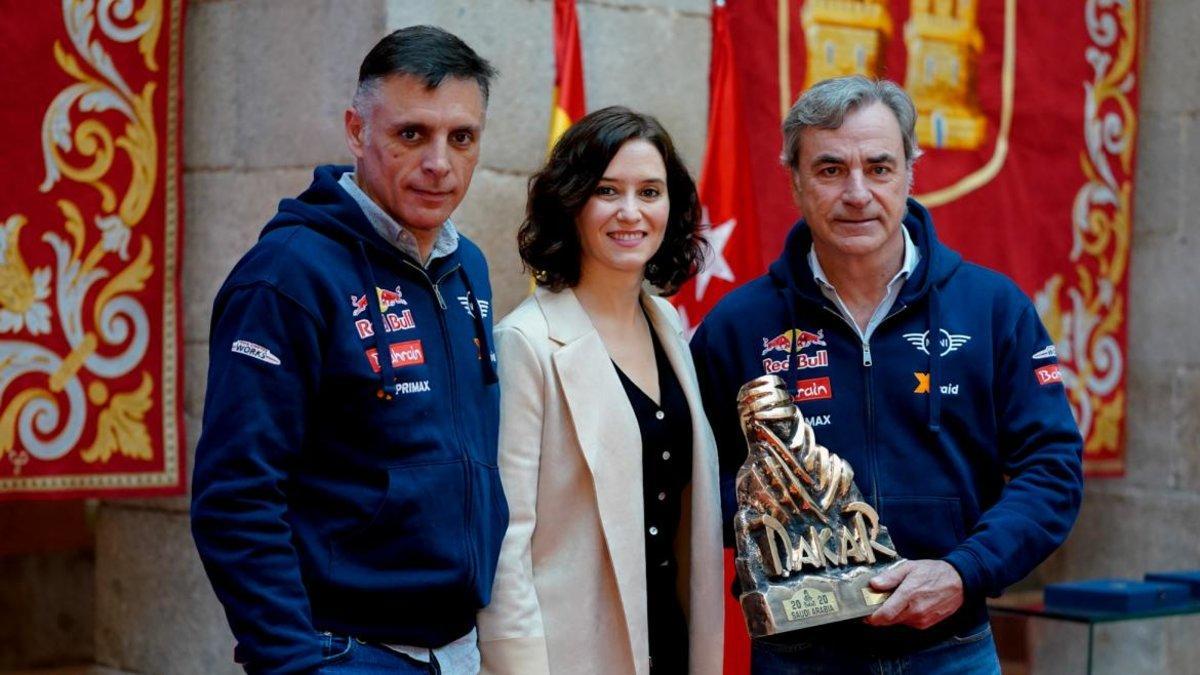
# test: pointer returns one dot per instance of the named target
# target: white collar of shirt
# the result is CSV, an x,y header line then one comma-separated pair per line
x,y
394,232
912,257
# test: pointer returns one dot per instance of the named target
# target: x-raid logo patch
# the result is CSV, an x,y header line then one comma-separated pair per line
x,y
947,343
923,385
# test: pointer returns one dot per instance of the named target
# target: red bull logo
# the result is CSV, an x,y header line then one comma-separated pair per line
x,y
803,339
389,299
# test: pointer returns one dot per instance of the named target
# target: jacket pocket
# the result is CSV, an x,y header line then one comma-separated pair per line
x,y
415,540
923,528
491,522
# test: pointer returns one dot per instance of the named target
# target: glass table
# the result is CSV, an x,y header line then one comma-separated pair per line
x,y
1031,604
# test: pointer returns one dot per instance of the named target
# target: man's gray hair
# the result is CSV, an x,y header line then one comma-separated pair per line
x,y
826,104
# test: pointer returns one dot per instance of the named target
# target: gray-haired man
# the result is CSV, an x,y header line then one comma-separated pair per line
x,y
932,376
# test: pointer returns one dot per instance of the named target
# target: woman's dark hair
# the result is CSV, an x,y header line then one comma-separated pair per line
x,y
548,239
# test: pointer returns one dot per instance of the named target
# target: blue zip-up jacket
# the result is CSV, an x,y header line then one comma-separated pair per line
x,y
963,442
335,490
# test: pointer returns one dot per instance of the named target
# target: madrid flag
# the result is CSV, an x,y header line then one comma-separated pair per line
x,y
726,194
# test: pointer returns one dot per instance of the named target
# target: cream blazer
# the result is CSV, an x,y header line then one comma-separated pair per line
x,y
570,590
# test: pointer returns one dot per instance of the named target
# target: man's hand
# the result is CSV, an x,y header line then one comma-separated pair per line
x,y
923,593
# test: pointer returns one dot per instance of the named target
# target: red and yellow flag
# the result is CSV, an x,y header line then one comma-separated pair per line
x,y
569,102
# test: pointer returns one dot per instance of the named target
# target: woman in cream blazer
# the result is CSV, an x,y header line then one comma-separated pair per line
x,y
571,586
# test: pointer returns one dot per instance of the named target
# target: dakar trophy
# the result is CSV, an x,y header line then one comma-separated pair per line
x,y
807,543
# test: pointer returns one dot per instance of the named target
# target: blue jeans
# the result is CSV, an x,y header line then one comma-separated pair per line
x,y
348,656
973,654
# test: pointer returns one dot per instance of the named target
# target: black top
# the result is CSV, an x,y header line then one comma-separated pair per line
x,y
666,470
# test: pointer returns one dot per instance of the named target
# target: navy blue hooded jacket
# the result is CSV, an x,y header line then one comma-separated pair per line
x,y
953,416
335,490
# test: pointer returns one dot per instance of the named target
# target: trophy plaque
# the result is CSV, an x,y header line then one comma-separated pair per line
x,y
807,543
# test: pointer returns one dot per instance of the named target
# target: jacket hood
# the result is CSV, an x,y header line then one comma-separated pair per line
x,y
791,271
326,208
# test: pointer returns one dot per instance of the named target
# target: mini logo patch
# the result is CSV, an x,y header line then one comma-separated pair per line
x,y
1048,353
813,390
1048,374
404,354
469,304
948,342
255,351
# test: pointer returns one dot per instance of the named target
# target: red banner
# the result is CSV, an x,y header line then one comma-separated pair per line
x,y
90,378
1027,116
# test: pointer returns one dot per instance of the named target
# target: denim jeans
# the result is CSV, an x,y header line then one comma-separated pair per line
x,y
973,654
348,656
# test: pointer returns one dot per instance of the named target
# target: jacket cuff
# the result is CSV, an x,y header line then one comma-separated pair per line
x,y
974,576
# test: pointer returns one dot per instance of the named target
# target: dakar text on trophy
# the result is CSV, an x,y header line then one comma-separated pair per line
x,y
807,543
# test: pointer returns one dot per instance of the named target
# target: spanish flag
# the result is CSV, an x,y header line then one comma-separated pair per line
x,y
568,71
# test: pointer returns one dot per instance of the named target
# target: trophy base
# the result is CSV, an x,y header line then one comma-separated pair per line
x,y
813,600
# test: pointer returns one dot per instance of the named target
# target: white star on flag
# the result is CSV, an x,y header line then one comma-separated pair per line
x,y
715,265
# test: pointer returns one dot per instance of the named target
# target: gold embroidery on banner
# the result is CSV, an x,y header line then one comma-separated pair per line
x,y
23,292
844,37
966,184
121,427
45,419
1085,317
944,43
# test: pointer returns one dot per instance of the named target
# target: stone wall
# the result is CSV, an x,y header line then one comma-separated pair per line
x,y
266,83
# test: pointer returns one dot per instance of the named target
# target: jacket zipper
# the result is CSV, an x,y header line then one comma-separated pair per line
x,y
455,403
869,382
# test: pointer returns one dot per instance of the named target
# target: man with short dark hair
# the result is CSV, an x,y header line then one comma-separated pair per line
x,y
933,377
345,502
